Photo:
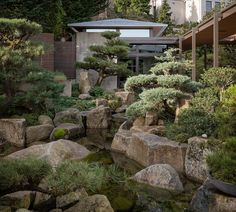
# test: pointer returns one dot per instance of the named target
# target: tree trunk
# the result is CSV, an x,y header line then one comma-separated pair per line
x,y
8,90
99,80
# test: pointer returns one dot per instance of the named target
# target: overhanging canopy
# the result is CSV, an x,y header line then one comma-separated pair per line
x,y
204,31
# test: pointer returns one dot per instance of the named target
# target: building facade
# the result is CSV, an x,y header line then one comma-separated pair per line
x,y
186,10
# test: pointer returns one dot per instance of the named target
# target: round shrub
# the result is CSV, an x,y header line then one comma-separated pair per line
x,y
96,91
196,122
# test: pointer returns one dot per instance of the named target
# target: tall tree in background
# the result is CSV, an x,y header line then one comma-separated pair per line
x,y
165,16
53,15
132,7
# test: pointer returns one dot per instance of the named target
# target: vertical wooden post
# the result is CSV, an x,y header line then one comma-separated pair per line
x,y
180,46
216,40
137,60
194,59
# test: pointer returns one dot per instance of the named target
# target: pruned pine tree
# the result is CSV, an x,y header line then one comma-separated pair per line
x,y
106,59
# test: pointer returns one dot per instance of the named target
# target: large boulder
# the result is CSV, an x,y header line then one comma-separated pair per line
x,y
54,152
121,141
195,161
72,197
14,131
128,98
71,115
20,199
98,203
161,176
67,131
148,149
99,118
44,119
38,133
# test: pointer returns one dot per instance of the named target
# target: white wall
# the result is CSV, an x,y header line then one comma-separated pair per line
x,y
186,10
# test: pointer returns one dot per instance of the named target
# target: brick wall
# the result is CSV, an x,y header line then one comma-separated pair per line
x,y
65,58
59,56
46,60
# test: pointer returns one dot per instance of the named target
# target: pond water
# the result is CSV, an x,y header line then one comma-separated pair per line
x,y
133,197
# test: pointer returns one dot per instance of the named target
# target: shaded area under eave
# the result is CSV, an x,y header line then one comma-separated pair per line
x,y
204,34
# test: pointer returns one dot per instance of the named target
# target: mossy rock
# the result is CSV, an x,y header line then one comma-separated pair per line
x,y
122,204
59,133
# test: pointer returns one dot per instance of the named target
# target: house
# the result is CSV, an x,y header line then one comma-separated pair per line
x,y
143,37
186,10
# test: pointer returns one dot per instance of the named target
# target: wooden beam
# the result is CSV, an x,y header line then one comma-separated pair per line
x,y
180,46
194,59
216,40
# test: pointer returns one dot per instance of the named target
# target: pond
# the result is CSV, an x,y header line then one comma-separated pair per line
x,y
131,196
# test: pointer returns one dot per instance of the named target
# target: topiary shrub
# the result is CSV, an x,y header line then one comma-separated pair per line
x,y
138,83
196,122
222,163
15,174
206,99
219,78
192,122
137,109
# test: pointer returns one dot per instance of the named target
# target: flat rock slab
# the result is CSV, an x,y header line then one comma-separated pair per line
x,y
54,152
38,132
161,176
14,131
148,149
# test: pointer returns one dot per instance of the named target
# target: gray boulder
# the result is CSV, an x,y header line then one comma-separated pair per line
x,y
85,96
38,133
71,115
14,131
72,197
195,161
54,152
98,203
128,98
148,149
99,118
43,119
161,176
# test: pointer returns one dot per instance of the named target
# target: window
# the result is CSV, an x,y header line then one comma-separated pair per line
x,y
135,33
99,30
208,6
217,4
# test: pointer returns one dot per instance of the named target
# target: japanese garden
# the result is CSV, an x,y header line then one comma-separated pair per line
x,y
117,106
